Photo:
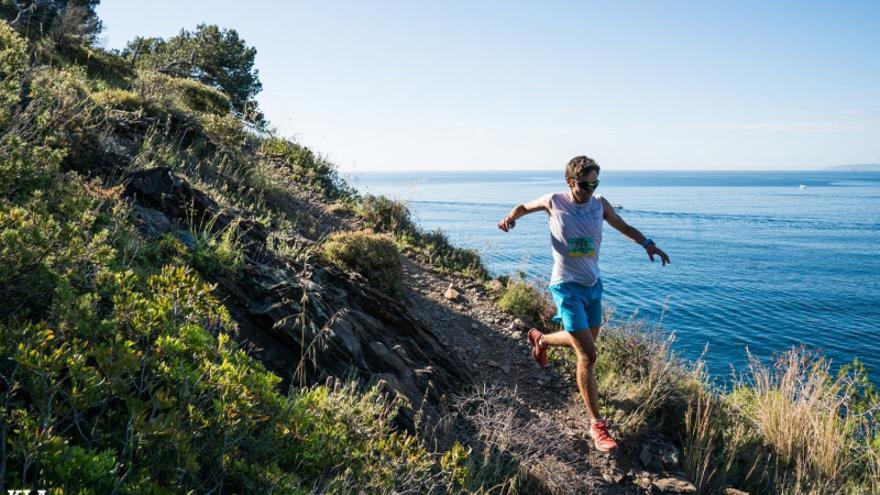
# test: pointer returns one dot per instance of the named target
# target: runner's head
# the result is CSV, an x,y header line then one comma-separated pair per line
x,y
582,177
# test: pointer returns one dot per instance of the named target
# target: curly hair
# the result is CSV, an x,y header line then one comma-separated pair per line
x,y
580,165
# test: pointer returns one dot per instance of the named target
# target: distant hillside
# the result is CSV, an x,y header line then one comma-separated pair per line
x,y
857,167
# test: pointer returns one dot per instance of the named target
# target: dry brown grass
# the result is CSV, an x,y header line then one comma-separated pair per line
x,y
501,425
638,370
800,411
789,428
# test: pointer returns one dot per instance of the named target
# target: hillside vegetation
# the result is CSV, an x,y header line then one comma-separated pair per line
x,y
123,367
120,368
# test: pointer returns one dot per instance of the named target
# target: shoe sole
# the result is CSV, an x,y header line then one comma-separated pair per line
x,y
536,351
606,451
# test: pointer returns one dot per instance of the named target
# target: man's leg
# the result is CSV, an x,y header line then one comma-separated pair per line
x,y
585,347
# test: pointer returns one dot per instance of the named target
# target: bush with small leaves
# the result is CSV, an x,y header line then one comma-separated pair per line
x,y
372,255
521,298
306,168
13,62
216,57
118,99
182,95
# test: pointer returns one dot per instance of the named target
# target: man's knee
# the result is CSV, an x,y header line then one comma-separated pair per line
x,y
587,359
584,347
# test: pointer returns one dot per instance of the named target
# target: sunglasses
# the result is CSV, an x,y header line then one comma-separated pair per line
x,y
588,185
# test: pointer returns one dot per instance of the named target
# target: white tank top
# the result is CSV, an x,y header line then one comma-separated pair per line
x,y
576,236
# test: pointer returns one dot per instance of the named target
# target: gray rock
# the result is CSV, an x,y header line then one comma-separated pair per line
x,y
670,458
613,477
342,334
187,239
385,358
645,455
674,485
451,293
399,350
151,222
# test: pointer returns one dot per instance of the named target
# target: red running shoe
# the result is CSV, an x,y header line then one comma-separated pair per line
x,y
539,352
601,437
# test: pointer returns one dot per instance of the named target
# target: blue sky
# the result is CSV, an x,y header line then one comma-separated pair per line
x,y
528,85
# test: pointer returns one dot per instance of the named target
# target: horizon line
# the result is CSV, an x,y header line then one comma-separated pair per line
x,y
822,169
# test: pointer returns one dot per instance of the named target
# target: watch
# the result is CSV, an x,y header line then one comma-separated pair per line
x,y
647,242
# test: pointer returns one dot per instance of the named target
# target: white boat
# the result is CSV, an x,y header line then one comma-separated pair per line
x,y
803,186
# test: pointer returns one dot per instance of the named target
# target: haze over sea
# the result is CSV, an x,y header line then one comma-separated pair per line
x,y
758,262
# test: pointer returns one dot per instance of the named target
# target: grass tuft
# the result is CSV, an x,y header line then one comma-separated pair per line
x,y
372,255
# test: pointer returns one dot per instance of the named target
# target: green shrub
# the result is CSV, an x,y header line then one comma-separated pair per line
x,y
442,256
521,298
217,250
302,166
118,99
48,242
171,404
224,132
215,57
182,95
25,168
386,215
66,118
203,98
372,255
13,62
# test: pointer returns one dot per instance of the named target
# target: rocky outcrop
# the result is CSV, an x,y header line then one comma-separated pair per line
x,y
307,323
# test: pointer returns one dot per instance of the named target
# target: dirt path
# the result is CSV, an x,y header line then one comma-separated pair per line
x,y
491,345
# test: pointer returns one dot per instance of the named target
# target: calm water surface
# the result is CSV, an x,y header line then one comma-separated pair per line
x,y
758,262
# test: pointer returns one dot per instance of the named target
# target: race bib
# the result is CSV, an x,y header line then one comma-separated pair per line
x,y
581,246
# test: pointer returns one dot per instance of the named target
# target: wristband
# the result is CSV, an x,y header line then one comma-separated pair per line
x,y
647,242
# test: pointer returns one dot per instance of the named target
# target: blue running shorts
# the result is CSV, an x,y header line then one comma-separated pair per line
x,y
578,306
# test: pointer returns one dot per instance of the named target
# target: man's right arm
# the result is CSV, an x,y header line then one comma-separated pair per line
x,y
540,204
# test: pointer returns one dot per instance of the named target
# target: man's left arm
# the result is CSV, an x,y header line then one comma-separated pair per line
x,y
633,233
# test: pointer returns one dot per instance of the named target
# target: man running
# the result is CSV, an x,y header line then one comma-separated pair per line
x,y
575,220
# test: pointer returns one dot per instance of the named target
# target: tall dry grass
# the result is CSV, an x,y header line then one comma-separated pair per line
x,y
797,407
793,427
638,370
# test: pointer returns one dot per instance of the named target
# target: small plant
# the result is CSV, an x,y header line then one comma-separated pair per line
x,y
217,249
386,215
441,255
13,63
306,168
372,255
180,95
118,99
522,298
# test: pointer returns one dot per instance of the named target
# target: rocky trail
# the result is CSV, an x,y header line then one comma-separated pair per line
x,y
544,417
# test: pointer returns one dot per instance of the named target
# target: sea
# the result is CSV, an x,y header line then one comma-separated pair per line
x,y
760,261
